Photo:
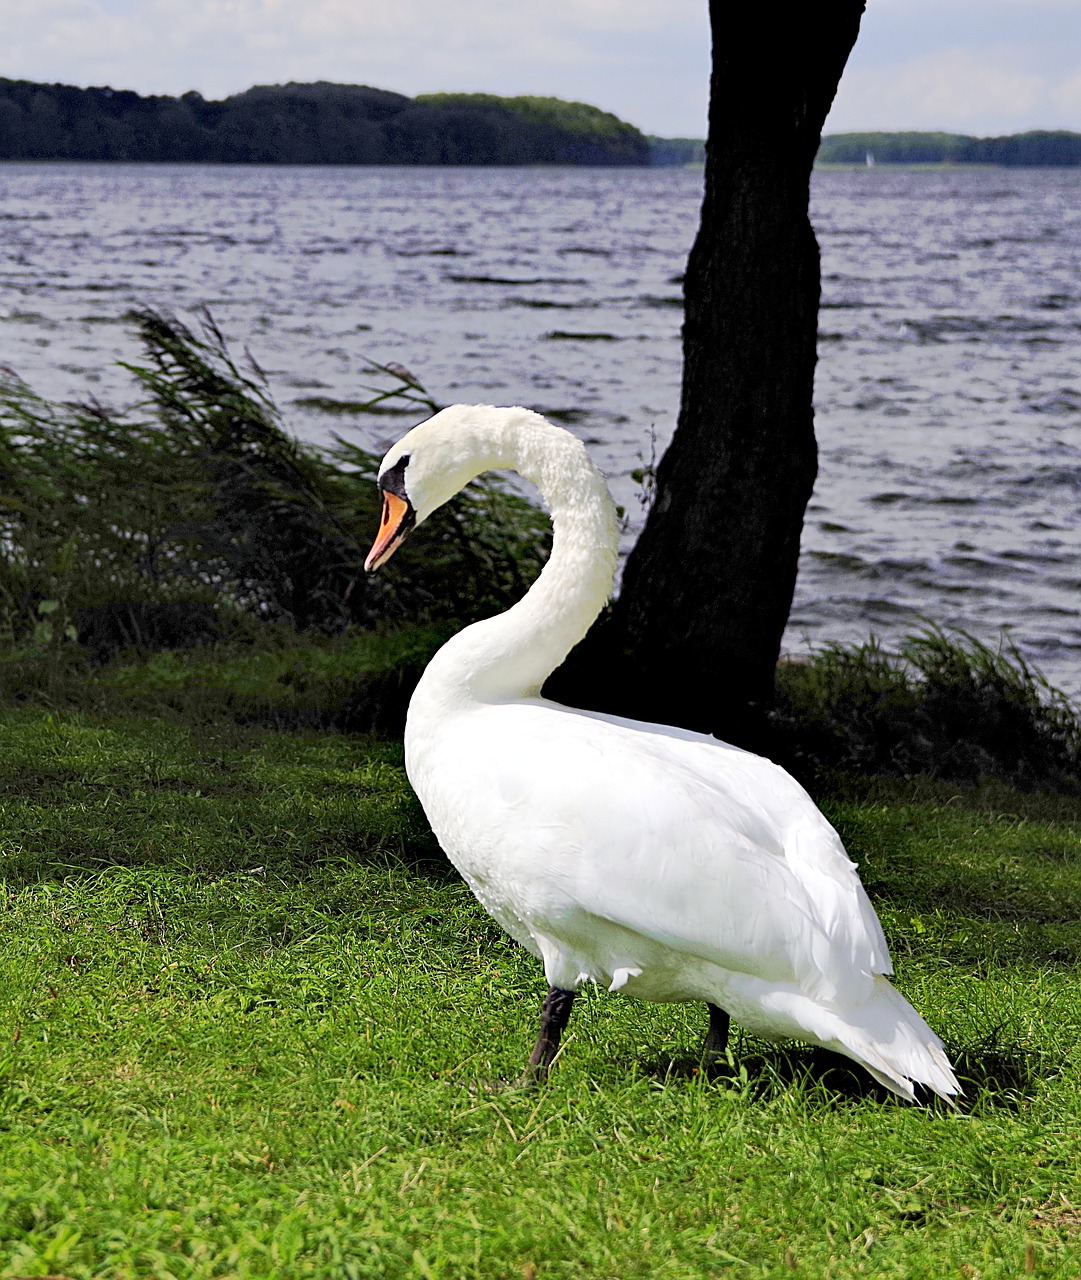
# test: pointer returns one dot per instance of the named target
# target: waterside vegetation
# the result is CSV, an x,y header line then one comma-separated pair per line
x,y
248,1013
946,707
196,516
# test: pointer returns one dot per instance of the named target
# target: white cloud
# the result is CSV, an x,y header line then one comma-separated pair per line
x,y
974,66
958,89
950,88
1067,95
631,56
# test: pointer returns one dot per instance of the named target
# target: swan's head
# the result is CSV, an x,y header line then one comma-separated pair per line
x,y
429,465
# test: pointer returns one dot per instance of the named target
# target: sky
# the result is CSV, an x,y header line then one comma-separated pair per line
x,y
966,66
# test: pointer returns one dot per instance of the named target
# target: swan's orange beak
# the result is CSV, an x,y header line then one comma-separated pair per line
x,y
396,522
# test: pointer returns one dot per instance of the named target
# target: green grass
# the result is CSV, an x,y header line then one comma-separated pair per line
x,y
356,682
248,1012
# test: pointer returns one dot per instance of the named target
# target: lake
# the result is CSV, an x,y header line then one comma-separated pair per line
x,y
948,391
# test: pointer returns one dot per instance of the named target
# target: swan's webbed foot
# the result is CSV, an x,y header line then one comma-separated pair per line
x,y
555,1014
714,1051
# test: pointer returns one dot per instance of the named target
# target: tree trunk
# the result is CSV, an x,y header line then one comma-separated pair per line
x,y
694,636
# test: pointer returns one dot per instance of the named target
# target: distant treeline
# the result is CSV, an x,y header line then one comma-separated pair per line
x,y
676,151
309,124
1041,147
352,124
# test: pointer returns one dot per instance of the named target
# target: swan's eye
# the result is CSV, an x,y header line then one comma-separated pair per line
x,y
393,479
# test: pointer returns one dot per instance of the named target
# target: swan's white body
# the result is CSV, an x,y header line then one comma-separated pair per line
x,y
653,860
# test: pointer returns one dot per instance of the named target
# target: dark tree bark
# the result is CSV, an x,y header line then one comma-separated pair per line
x,y
694,636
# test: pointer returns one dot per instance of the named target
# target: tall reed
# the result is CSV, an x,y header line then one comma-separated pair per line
x,y
197,510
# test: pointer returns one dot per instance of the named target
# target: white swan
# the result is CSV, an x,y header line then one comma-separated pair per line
x,y
659,862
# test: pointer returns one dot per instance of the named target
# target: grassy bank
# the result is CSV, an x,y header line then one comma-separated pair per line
x,y
248,1015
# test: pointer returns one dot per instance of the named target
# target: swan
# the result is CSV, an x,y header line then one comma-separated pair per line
x,y
656,861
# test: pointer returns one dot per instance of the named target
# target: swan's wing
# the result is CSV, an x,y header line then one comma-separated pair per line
x,y
770,799
706,849
817,856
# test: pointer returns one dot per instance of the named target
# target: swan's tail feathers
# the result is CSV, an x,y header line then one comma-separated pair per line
x,y
892,1042
935,1073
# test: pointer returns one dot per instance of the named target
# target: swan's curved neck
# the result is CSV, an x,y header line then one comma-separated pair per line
x,y
511,655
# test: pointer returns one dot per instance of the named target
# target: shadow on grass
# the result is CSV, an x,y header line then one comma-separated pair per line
x,y
72,863
1001,1076
236,839
947,865
1043,892
989,797
765,1075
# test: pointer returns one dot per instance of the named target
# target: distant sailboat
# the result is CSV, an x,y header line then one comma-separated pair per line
x,y
869,159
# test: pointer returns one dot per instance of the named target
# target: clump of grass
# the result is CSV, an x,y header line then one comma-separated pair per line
x,y
198,513
945,706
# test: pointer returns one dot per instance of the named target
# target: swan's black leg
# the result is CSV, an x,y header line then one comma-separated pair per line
x,y
555,1013
717,1037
